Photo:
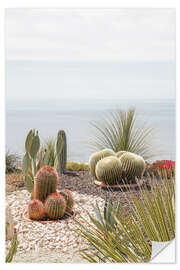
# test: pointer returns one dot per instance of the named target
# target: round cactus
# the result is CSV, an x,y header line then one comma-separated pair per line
x,y
36,210
109,170
67,194
55,206
95,157
120,153
133,166
45,183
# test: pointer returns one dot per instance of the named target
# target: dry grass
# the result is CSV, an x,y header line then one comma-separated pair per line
x,y
14,178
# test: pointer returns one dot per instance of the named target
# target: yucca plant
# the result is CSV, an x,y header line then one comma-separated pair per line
x,y
155,209
122,241
119,131
13,248
145,218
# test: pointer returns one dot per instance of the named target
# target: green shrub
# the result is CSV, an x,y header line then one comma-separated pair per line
x,y
75,166
12,163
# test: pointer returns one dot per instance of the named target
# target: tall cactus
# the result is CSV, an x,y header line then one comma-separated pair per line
x,y
55,206
61,151
29,166
45,183
133,166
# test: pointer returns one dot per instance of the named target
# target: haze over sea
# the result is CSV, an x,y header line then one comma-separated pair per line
x,y
75,117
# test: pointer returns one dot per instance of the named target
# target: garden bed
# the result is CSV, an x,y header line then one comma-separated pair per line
x,y
56,241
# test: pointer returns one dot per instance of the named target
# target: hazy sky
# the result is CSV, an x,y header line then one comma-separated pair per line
x,y
140,41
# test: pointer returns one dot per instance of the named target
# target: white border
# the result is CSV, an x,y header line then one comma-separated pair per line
x,y
74,4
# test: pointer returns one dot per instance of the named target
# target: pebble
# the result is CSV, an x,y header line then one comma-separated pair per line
x,y
55,236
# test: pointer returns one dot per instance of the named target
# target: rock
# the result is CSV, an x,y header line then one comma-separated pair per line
x,y
9,224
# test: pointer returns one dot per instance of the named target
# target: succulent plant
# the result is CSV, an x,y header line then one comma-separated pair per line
x,y
133,166
95,157
67,194
109,170
45,182
36,210
55,206
61,151
120,153
29,166
13,248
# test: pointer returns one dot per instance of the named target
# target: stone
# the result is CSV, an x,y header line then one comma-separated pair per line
x,y
9,224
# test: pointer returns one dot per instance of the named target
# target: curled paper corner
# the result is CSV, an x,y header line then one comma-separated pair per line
x,y
163,252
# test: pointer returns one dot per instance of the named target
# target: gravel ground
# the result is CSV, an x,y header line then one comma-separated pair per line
x,y
58,241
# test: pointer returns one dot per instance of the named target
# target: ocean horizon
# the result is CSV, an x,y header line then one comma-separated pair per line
x,y
75,117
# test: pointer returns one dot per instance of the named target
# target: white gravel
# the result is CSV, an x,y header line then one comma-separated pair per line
x,y
54,242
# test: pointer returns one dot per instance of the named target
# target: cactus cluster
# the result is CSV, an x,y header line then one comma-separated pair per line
x,y
55,206
112,168
95,157
47,202
35,158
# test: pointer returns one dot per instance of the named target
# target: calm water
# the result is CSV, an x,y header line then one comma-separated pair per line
x,y
75,118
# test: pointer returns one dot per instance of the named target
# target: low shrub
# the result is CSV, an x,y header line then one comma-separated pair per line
x,y
12,161
75,166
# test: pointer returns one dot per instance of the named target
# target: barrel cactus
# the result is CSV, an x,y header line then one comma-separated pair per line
x,y
109,170
120,153
61,139
45,183
95,157
36,210
67,194
133,166
55,206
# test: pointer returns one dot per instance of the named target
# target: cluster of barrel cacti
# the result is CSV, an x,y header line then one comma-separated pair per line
x,y
47,202
34,159
116,168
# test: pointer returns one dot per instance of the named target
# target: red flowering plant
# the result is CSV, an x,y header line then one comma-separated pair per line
x,y
163,166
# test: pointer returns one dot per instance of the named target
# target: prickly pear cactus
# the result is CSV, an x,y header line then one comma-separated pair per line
x,y
67,194
61,150
36,210
45,182
95,157
133,166
109,170
55,206
29,166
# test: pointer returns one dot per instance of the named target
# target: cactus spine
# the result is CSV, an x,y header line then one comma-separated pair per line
x,y
55,206
67,194
109,170
120,153
36,210
95,157
133,166
45,182
61,149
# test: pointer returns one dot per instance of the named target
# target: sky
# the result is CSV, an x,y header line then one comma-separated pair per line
x,y
92,53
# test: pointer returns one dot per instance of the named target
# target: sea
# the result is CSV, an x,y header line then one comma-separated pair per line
x,y
76,117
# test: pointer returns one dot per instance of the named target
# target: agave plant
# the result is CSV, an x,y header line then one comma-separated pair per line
x,y
13,248
119,131
107,217
48,151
